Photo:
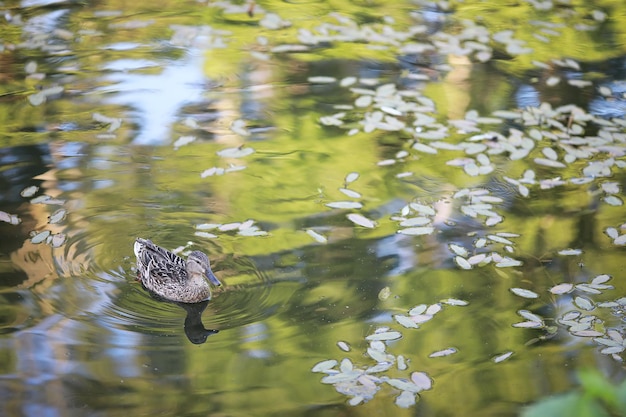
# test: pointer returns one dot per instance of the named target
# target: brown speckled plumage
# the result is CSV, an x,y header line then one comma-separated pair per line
x,y
170,277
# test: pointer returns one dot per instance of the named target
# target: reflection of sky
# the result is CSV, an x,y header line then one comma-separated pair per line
x,y
156,99
527,96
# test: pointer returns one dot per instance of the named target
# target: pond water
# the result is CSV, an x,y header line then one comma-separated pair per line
x,y
414,209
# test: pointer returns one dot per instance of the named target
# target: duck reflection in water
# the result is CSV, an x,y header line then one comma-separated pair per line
x,y
194,329
167,277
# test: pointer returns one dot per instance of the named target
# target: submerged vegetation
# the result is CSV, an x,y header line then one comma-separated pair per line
x,y
433,188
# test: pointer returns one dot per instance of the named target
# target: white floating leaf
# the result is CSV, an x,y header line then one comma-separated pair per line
x,y
601,279
417,231
391,335
239,127
350,193
584,303
422,380
478,259
403,385
318,237
613,200
402,365
421,318
238,152
57,216
406,399
210,172
587,333
29,191
563,288
341,377
433,309
507,262
252,231
612,350
521,292
422,209
480,242
379,367
415,221
503,357
229,226
455,302
471,169
588,289
405,321
57,240
345,205
206,235
444,352
377,355
417,310
356,400
570,252
610,187
528,315
529,325
46,199
40,237
458,250
549,163
363,101
207,226
346,365
552,81
348,81
500,239
424,148
9,218
183,140
37,99
324,366
321,79
462,262
361,220
579,83
351,177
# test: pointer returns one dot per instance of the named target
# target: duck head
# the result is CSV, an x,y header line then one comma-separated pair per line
x,y
198,263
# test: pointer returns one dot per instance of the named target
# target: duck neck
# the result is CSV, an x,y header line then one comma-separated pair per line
x,y
199,286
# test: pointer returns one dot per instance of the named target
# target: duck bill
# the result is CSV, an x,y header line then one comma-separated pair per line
x,y
212,278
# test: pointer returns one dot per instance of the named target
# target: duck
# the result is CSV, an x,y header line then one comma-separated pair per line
x,y
171,278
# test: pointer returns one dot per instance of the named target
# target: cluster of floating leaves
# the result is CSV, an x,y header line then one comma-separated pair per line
x,y
361,383
230,153
579,322
556,136
247,228
46,236
356,218
619,238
